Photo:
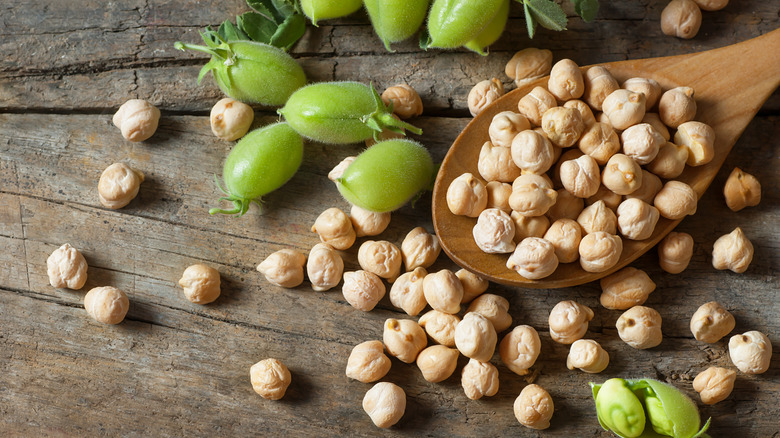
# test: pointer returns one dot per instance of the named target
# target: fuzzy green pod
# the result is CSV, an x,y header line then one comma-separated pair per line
x,y
453,23
491,33
396,20
387,175
326,9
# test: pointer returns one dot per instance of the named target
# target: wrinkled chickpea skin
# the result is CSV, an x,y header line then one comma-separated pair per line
x,y
529,226
676,200
437,362
270,378
440,326
649,87
563,126
407,291
566,81
283,268
586,114
534,104
498,194
385,404
565,236
654,120
483,94
495,163
505,126
624,108
106,304
520,348
599,141
534,258
675,252
599,83
677,106
338,171
741,190
597,217
529,64
670,161
324,267
231,119
66,267
494,232
404,339
467,196
381,258
473,285
611,199
600,251
625,288
362,289
622,174
200,283
711,322
493,307
587,356
567,206
641,142
640,327
699,139
475,337
367,362
581,177
636,219
368,223
534,407
650,187
479,379
569,321
335,228
532,152
714,384
137,119
406,102
419,249
532,195
681,18
443,291
119,185
732,251
751,352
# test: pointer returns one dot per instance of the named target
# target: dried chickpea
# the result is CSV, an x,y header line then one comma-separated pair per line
x,y
406,102
565,236
699,139
670,161
649,87
437,362
496,164
407,291
676,200
712,5
570,154
681,18
368,223
106,304
600,251
534,104
598,217
466,196
529,226
534,407
284,268
711,322
475,337
529,64
563,126
335,228
741,190
443,291
567,206
498,194
381,258
622,174
473,285
640,327
751,352
600,142
270,378
650,187
338,171
581,177
599,83
324,267
385,404
520,348
200,283
66,267
588,356
362,289
419,248
566,81
404,339
494,232
585,112
569,321
732,251
440,326
675,252
610,198
624,108
677,106
231,119
641,142
714,384
368,362
505,126
534,258
119,185
625,289
493,307
479,379
483,94
532,152
137,119
532,195
654,120
636,219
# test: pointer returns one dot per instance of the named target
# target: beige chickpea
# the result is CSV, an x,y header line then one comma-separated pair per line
x,y
381,258
711,322
66,267
641,142
567,206
732,251
475,337
585,112
483,94
675,252
324,267
610,198
505,126
404,339
676,200
622,174
362,289
231,119
714,384
200,283
534,104
494,232
498,194
270,378
534,258
566,81
520,348
368,362
711,5
677,106
406,102
493,307
335,228
532,152
600,251
106,304
604,118
473,285
529,226
587,356
534,407
529,64
368,223
681,18
479,379
599,141
532,195
565,236
624,108
741,190
636,219
466,196
338,171
419,249
385,404
407,291
119,185
495,163
443,291
670,161
437,362
581,177
599,83
283,268
440,326
751,352
598,217
699,139
569,321
649,87
570,154
625,289
137,119
650,187
654,120
640,327
563,126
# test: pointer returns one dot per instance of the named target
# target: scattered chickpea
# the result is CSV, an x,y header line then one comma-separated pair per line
x,y
335,228
567,206
699,139
654,120
598,217
493,307
505,126
675,252
406,102
581,177
714,384
283,268
440,326
324,267
495,163
622,174
681,18
200,283
407,291
368,223
368,362
732,251
66,267
625,288
565,236
475,337
443,291
532,152
119,185
599,83
649,87
106,304
569,321
466,196
741,190
137,119
566,81
624,108
494,232
641,142
532,195
385,404
711,322
610,198
534,104
640,327
483,94
479,379
529,226
534,407
437,362
338,171
600,251
534,258
381,258
404,339
650,187
636,219
670,161
563,126
473,285
498,194
362,289
529,64
587,356
419,249
751,352
270,378
600,142
676,200
712,5
677,106
520,348
231,119
585,112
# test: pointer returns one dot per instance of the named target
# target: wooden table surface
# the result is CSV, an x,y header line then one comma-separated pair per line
x,y
174,368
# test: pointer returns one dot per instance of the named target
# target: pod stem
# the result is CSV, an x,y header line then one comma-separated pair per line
x,y
240,206
222,56
382,118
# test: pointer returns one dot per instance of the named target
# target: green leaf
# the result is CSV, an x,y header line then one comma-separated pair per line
x,y
229,32
290,31
276,10
258,27
211,65
547,13
586,9
530,24
425,39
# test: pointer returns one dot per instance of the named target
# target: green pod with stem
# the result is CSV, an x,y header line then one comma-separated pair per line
x,y
326,9
396,20
453,23
491,33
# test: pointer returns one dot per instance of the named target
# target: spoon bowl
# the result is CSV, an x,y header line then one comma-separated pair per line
x,y
730,83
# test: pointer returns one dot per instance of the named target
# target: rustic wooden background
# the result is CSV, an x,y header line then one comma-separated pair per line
x,y
173,368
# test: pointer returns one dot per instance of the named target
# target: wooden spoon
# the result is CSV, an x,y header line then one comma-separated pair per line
x,y
731,84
